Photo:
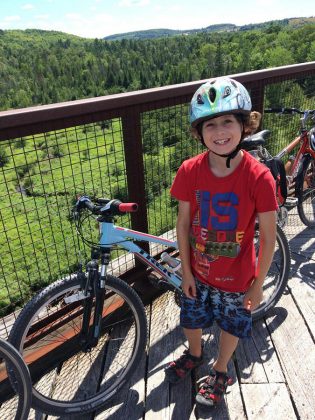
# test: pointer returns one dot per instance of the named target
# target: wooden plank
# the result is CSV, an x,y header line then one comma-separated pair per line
x,y
131,398
8,411
257,359
86,370
303,245
268,402
302,290
295,348
8,408
167,342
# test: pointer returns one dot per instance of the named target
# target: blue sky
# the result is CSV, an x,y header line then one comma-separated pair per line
x,y
99,18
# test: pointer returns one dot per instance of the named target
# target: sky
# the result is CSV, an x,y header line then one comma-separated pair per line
x,y
100,18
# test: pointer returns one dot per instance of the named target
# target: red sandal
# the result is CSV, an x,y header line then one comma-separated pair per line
x,y
213,389
180,368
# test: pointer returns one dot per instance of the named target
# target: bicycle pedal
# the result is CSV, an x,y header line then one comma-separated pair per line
x,y
291,202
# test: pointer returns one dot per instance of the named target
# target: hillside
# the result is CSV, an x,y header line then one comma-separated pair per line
x,y
42,67
159,33
224,27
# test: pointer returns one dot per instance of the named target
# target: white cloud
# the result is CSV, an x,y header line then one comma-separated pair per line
x,y
132,3
84,26
41,17
74,16
15,18
28,6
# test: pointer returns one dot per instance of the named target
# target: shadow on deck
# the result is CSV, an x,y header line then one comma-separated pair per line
x,y
272,372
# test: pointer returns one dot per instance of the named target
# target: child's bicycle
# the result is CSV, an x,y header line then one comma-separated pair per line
x,y
88,332
296,184
12,361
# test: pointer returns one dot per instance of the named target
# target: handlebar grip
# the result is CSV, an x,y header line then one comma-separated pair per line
x,y
109,207
128,207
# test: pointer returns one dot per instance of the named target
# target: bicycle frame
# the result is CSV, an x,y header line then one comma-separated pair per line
x,y
293,168
124,237
303,150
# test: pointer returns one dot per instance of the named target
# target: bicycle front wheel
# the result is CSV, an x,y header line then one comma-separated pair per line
x,y
22,381
306,194
277,276
68,378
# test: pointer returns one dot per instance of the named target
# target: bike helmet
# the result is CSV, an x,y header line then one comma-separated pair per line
x,y
311,136
219,96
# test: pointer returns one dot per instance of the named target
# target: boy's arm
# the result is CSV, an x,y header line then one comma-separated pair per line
x,y
267,240
183,230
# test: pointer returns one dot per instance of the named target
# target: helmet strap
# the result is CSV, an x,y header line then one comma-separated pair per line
x,y
229,156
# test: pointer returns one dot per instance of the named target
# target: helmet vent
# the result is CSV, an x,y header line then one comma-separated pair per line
x,y
227,91
200,100
212,94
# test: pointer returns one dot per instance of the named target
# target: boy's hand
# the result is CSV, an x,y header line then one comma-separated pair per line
x,y
253,297
189,286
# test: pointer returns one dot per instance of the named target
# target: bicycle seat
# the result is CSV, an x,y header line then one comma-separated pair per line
x,y
257,139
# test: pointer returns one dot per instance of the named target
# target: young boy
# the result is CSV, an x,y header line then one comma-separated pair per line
x,y
220,194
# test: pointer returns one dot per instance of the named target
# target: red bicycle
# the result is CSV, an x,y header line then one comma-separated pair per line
x,y
296,178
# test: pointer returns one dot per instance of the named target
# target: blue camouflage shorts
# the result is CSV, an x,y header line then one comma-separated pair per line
x,y
211,304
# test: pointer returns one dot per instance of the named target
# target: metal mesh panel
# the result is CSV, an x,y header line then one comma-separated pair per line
x,y
292,94
39,180
298,93
166,144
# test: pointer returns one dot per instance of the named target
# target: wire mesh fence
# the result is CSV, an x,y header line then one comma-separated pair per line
x,y
39,181
41,175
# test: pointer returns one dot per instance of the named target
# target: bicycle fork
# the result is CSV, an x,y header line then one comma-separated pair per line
x,y
95,284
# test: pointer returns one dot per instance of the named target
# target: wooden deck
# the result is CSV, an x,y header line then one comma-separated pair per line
x,y
273,372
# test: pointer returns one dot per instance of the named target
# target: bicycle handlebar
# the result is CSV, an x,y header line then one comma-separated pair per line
x,y
289,111
104,206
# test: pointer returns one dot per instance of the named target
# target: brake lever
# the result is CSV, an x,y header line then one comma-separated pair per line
x,y
76,209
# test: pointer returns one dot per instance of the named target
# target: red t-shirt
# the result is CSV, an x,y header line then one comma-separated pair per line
x,y
223,214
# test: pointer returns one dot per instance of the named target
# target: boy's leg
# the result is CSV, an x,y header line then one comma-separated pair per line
x,y
213,389
227,346
191,358
194,339
195,314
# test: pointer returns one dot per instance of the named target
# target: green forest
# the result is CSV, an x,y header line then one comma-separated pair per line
x,y
41,175
42,67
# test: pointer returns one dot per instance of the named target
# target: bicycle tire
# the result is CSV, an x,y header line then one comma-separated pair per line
x,y
277,276
117,355
306,193
22,381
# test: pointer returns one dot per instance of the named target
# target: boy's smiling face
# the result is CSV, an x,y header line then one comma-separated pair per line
x,y
222,134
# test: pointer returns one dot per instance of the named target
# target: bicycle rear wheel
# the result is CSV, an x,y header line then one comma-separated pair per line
x,y
68,379
306,193
22,381
277,276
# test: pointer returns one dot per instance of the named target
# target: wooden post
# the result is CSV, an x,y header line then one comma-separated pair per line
x,y
131,127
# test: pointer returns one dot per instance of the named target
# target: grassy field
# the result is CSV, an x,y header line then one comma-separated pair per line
x,y
40,177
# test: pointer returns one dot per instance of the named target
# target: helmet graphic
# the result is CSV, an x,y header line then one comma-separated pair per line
x,y
311,136
219,96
